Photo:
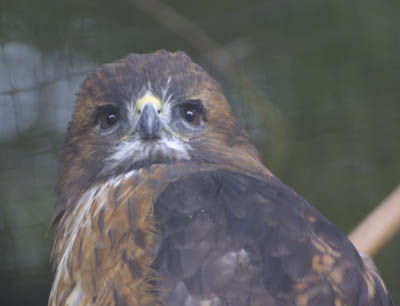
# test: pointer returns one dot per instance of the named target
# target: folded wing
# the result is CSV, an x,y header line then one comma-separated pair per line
x,y
226,238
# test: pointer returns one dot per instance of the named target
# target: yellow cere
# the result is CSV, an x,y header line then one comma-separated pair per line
x,y
148,98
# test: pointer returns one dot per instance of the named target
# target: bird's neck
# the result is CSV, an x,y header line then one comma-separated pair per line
x,y
103,245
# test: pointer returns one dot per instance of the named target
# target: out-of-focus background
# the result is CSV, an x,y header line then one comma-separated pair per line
x,y
316,83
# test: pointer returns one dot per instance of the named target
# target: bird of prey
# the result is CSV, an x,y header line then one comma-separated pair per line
x,y
163,200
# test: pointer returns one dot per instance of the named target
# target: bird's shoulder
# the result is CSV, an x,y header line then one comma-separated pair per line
x,y
230,238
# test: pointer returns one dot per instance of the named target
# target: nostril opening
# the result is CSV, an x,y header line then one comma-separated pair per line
x,y
159,111
139,111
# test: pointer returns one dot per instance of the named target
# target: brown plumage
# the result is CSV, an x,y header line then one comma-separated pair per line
x,y
163,200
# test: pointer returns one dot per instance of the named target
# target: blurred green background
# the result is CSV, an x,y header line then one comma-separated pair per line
x,y
316,83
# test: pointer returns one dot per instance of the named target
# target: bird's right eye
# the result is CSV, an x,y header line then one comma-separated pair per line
x,y
108,116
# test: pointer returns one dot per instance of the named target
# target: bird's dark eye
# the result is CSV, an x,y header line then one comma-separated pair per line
x,y
192,112
108,116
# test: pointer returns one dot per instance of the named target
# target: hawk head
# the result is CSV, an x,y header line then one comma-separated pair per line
x,y
144,110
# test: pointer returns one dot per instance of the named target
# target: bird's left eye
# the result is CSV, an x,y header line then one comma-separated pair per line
x,y
191,112
108,116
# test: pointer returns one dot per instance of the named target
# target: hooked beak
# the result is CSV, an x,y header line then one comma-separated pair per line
x,y
149,125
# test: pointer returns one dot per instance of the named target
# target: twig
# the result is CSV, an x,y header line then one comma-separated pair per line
x,y
189,31
379,226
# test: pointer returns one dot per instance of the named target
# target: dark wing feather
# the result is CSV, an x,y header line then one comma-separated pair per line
x,y
230,239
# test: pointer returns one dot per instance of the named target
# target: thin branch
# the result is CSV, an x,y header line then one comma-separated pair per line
x,y
189,31
379,226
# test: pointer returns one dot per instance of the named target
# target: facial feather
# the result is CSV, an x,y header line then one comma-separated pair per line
x,y
142,152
